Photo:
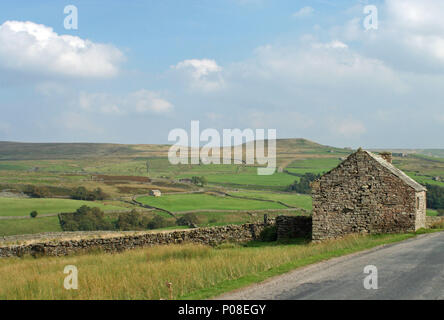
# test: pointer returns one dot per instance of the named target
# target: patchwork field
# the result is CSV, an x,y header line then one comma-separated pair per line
x,y
125,172
295,200
29,226
22,207
190,202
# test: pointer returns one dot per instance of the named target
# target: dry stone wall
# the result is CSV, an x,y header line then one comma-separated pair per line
x,y
207,236
430,221
421,210
293,227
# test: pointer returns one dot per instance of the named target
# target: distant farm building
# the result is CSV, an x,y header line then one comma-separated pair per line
x,y
155,193
366,194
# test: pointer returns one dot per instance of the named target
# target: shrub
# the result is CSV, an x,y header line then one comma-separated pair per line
x,y
36,191
187,219
199,180
84,219
33,214
131,221
303,185
158,222
81,193
435,197
268,234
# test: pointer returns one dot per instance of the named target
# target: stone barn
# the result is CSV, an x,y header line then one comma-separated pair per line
x,y
366,194
155,193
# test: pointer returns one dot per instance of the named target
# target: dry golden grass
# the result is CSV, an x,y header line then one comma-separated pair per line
x,y
143,273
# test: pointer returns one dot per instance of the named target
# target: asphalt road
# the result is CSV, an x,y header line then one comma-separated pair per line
x,y
412,269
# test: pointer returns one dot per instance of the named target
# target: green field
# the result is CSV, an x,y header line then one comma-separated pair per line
x,y
425,179
22,207
61,168
28,226
292,199
189,202
314,165
247,177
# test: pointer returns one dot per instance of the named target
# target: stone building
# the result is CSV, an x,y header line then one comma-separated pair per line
x,y
155,193
366,194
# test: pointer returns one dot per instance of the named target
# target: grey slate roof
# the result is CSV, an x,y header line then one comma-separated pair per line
x,y
401,175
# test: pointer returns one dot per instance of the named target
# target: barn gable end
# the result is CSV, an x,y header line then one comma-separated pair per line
x,y
366,194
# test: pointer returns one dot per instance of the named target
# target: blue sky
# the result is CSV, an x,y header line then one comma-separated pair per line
x,y
133,71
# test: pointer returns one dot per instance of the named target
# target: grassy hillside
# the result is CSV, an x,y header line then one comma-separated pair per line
x,y
37,151
124,171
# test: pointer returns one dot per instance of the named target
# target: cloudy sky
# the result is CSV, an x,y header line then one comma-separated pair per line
x,y
135,70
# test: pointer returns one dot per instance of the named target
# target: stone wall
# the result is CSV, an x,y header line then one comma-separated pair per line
x,y
293,227
208,236
361,196
421,210
430,221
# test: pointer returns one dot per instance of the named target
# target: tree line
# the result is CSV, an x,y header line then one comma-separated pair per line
x,y
94,219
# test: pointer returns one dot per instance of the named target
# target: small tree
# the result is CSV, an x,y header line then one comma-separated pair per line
x,y
188,219
34,214
203,181
199,180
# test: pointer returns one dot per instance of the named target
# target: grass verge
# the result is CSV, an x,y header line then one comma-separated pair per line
x,y
195,271
320,252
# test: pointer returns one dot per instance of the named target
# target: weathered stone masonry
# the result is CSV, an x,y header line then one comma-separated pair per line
x,y
293,227
208,236
366,194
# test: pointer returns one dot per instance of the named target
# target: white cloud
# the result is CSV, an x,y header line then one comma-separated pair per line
x,y
410,36
303,12
204,74
348,127
50,88
140,102
199,68
315,64
77,123
147,101
36,48
335,44
423,16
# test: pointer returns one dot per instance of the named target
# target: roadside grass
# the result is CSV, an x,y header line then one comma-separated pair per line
x,y
189,202
22,207
195,271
